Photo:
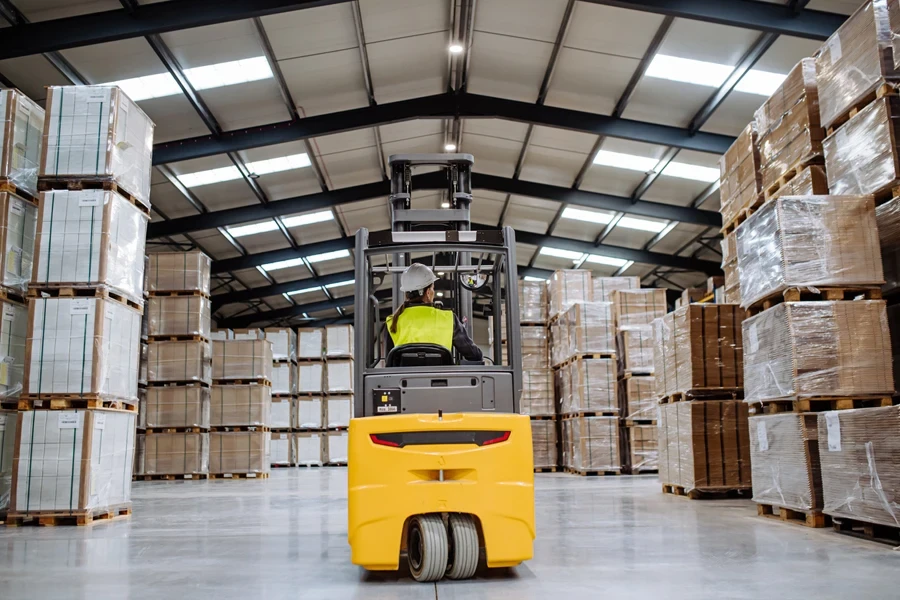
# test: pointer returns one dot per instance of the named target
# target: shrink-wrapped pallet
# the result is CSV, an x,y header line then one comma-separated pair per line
x,y
309,413
893,315
739,174
887,216
311,342
636,350
90,237
339,376
854,62
595,443
535,347
232,452
860,471
639,399
253,333
245,360
179,361
247,405
283,381
140,446
178,316
18,228
811,181
311,378
338,412
784,451
308,448
543,444
179,271
589,385
533,307
280,413
643,448
861,158
335,447
587,328
638,308
339,341
810,349
20,140
730,268
280,449
567,287
808,241
13,337
72,461
8,420
176,454
704,445
176,406
284,343
798,87
698,350
537,393
603,287
95,132
82,346
142,408
559,343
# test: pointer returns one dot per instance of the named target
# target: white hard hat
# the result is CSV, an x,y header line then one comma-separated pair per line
x,y
416,278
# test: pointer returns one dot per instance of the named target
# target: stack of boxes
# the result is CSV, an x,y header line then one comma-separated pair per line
x,y
84,317
176,411
284,394
338,403
309,415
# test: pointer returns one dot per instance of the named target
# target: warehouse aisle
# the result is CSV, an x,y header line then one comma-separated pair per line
x,y
617,537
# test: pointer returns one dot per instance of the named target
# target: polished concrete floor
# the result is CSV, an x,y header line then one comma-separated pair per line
x,y
612,538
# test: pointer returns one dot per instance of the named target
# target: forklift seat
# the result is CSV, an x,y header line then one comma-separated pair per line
x,y
419,355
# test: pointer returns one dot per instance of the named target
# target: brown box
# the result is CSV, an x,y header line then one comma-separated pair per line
x,y
887,216
643,448
176,406
172,361
543,443
810,349
18,227
178,315
799,87
176,454
784,451
178,271
240,405
603,287
635,308
537,393
533,304
811,181
639,398
239,452
567,287
739,174
585,328
730,268
595,443
705,445
245,360
636,350
23,125
808,241
589,385
796,141
697,348
535,347
713,283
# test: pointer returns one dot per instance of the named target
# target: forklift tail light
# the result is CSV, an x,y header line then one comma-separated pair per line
x,y
500,438
382,442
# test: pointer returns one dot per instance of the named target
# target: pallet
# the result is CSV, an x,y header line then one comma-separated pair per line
x,y
183,383
283,396
72,402
643,471
90,183
639,422
628,374
811,518
545,469
238,475
310,359
168,477
158,430
175,293
531,324
8,186
874,532
591,413
281,465
310,394
593,473
586,356
177,338
815,158
823,404
236,428
704,394
284,361
741,216
335,464
882,90
309,466
543,417
59,518
342,428
11,295
259,381
77,290
820,293
716,493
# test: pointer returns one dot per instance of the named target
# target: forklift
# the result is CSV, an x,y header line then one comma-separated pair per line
x,y
440,460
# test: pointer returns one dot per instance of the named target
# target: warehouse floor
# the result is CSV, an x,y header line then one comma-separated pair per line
x,y
286,538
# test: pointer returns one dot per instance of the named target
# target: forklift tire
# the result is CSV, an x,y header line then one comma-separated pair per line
x,y
463,536
427,548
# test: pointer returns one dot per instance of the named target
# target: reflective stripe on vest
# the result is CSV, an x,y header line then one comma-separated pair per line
x,y
423,325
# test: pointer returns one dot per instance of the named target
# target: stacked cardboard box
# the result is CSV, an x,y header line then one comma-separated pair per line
x,y
740,181
567,287
309,409
593,444
338,404
643,448
537,377
284,393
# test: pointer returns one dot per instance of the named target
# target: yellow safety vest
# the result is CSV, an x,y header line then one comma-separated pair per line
x,y
423,325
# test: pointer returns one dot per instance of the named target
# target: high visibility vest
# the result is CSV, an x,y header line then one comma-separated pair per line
x,y
423,325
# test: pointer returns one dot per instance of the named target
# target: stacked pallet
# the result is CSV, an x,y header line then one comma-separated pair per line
x,y
308,426
337,406
84,315
284,394
176,412
538,399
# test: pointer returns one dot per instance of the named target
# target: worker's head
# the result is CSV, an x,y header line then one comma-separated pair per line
x,y
418,282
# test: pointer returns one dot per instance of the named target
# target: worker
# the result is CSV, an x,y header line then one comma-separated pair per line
x,y
422,323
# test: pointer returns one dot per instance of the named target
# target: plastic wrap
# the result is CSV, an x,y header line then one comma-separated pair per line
x,y
861,157
283,380
179,361
20,140
281,449
587,328
176,454
178,315
810,349
730,268
338,411
8,420
339,376
589,385
339,341
595,443
82,346
179,271
140,448
794,142
239,452
335,447
743,198
308,449
698,347
97,132
284,343
739,173
543,444
643,448
636,350
18,229
91,237
308,413
310,342
704,445
894,23
811,181
280,413
888,218
13,338
242,360
310,378
639,398
799,86
537,393
860,471
567,287
177,406
533,303
784,451
72,460
240,406
854,61
603,287
636,308
808,241
535,347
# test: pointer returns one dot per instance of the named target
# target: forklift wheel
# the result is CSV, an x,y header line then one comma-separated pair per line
x,y
463,537
427,548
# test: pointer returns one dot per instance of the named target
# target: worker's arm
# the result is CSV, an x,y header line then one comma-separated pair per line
x,y
463,343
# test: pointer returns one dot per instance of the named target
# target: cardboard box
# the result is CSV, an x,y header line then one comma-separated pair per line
x,y
311,342
584,328
253,333
338,412
535,347
811,181
691,295
221,334
284,343
636,308
335,447
567,287
639,398
311,378
589,385
174,361
178,315
13,336
799,88
179,271
308,449
239,452
8,419
730,268
704,445
72,460
281,449
142,363
91,237
339,376
636,350
810,349
97,132
309,413
714,283
18,228
533,302
240,405
643,448
808,241
595,443
142,408
20,139
537,393
603,287
281,413
176,406
176,454
339,341
543,444
283,381
82,346
893,315
245,360
784,451
887,216
740,181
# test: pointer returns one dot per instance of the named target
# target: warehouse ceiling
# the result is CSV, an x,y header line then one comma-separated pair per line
x,y
596,125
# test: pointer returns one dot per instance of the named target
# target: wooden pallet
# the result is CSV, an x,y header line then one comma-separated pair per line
x,y
741,216
883,89
875,532
309,359
11,295
284,361
183,383
172,477
60,518
260,381
238,475
158,430
823,293
543,417
591,413
236,428
281,465
545,469
816,157
822,404
71,402
638,422
704,394
74,183
593,473
309,466
8,186
177,338
531,324
338,357
628,374
173,293
709,493
283,396
78,290
335,464
341,428
310,394
643,471
586,356
811,518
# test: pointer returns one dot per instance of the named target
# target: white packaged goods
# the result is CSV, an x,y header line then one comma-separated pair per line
x,y
338,412
239,452
20,140
280,449
179,271
82,346
177,406
247,334
173,361
242,359
91,237
240,405
310,378
339,340
588,385
13,334
308,448
97,132
569,286
635,308
221,334
176,454
280,413
284,342
336,447
73,460
17,232
339,376
7,449
603,287
310,342
283,378
308,414
178,315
